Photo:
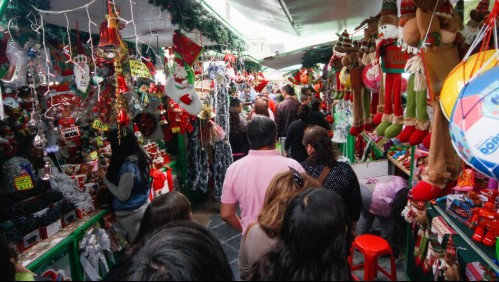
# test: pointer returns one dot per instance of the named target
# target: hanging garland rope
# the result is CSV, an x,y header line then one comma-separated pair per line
x,y
189,15
316,56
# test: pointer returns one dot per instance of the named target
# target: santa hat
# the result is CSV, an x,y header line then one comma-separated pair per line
x,y
185,47
481,11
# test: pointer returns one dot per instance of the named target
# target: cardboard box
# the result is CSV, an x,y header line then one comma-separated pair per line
x,y
83,213
29,240
47,231
475,271
68,218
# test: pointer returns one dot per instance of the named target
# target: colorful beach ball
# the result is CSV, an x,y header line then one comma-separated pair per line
x,y
474,124
461,75
371,76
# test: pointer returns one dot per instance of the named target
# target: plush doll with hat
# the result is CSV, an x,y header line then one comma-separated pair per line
x,y
180,84
416,119
393,61
351,61
438,33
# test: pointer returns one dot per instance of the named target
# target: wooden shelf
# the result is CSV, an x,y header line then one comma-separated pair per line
x,y
390,158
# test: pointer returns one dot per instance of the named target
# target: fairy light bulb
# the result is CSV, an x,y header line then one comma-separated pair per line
x,y
47,171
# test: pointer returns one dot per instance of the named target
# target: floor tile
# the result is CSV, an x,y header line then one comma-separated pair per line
x,y
225,232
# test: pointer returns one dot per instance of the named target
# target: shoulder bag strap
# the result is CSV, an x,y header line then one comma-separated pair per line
x,y
324,174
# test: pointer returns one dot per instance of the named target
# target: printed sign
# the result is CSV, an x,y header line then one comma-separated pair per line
x,y
23,183
139,69
99,125
70,132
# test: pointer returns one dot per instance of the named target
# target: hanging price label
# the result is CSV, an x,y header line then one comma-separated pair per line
x,y
23,183
139,69
99,125
70,132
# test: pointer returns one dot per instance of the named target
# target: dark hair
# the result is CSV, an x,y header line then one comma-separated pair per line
x,y
288,89
316,106
236,126
235,103
8,260
304,112
261,107
124,145
304,97
182,251
166,208
318,138
314,244
262,132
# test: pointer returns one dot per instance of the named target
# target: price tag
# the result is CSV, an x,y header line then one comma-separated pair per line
x,y
139,69
70,132
94,155
23,183
99,125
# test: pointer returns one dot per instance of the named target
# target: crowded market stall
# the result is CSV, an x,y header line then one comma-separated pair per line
x,y
409,83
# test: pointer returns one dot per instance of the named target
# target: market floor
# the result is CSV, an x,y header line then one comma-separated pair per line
x,y
207,214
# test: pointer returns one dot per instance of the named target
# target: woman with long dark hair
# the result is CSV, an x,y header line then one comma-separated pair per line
x,y
333,175
127,179
165,209
314,241
293,145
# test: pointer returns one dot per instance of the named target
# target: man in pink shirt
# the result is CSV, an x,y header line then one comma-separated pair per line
x,y
247,180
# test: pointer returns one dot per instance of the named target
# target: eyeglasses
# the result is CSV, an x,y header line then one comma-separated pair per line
x,y
297,177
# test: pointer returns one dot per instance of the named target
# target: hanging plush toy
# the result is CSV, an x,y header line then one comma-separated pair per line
x,y
438,32
393,61
366,55
180,84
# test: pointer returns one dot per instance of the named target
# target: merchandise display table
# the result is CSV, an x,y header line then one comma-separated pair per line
x,y
468,251
64,244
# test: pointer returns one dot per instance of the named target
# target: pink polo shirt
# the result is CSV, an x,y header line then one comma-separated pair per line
x,y
248,179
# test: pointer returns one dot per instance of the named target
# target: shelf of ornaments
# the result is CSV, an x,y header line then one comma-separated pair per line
x,y
396,152
31,216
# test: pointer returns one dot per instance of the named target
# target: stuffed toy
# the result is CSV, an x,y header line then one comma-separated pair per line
x,y
351,62
366,56
438,27
393,61
416,120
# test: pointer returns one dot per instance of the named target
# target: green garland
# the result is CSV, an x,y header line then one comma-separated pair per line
x,y
316,56
189,15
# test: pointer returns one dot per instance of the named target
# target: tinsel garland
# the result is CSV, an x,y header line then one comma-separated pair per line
x,y
189,15
197,160
223,151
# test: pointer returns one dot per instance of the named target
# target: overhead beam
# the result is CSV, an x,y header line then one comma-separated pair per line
x,y
289,16
221,19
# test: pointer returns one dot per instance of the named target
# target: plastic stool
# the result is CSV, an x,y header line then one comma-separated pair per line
x,y
372,247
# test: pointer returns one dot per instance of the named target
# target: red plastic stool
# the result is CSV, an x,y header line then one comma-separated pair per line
x,y
372,247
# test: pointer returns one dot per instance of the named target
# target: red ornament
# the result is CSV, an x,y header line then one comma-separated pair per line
x,y
123,119
122,86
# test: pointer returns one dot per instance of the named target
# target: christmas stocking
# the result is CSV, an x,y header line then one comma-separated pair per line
x,y
180,84
358,102
410,112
